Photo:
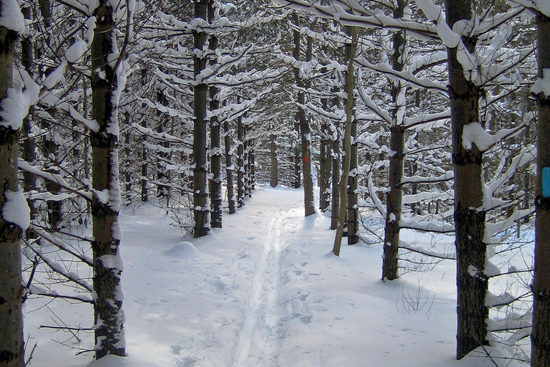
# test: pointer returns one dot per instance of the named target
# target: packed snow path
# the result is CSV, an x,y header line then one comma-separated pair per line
x,y
263,304
264,291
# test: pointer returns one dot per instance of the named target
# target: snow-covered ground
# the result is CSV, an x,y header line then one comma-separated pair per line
x,y
265,290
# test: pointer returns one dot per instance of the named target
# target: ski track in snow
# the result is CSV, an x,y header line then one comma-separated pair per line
x,y
262,309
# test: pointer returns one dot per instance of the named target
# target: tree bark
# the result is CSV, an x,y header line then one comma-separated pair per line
x,y
352,210
335,156
469,217
229,168
397,144
215,141
11,319
324,199
108,313
274,181
540,337
350,86
200,195
240,162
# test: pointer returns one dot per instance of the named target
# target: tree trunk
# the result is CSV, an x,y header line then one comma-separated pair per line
x,y
297,172
397,145
200,194
162,175
305,131
240,162
229,168
108,313
216,197
540,337
352,210
246,163
335,155
11,320
252,171
472,284
324,198
350,87
274,181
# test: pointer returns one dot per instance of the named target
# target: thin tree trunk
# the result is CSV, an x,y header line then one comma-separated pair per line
x,y
252,163
305,131
324,198
215,190
200,194
108,313
274,181
162,174
144,164
11,319
397,145
352,210
297,172
240,162
350,86
128,167
246,163
472,284
335,173
540,338
229,168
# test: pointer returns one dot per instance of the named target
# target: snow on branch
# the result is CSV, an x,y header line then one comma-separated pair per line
x,y
425,223
53,177
369,103
542,6
405,75
337,12
61,270
474,133
374,196
425,252
447,176
59,243
427,118
50,100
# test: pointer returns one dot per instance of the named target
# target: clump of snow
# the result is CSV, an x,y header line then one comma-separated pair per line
x,y
75,52
113,262
542,85
90,25
474,133
11,17
543,6
16,210
184,250
15,107
55,76
473,271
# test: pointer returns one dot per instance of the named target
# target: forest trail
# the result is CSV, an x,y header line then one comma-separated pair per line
x,y
262,313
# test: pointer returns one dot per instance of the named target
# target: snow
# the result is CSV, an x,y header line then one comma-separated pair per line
x,y
11,17
15,107
474,133
16,209
75,52
543,6
56,75
265,290
542,85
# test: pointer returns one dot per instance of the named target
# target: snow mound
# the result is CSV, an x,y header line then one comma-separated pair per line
x,y
184,250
